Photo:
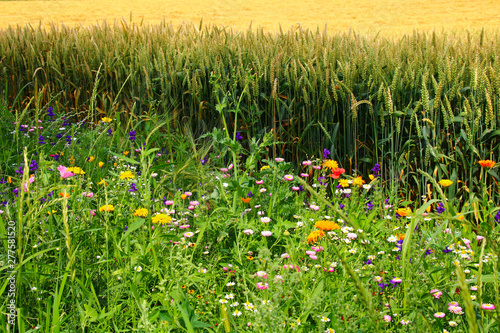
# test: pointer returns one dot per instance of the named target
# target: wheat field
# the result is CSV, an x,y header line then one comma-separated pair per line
x,y
391,17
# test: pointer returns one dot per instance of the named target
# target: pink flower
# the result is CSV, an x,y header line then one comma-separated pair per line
x,y
439,315
261,274
387,318
64,172
313,257
169,202
437,294
479,237
295,188
266,233
314,207
487,306
279,159
288,177
88,194
92,212
25,185
262,286
305,175
248,232
285,256
259,182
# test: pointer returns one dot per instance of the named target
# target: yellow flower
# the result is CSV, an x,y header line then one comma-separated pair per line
x,y
125,153
487,163
126,175
161,219
101,164
358,181
372,177
9,180
315,235
102,182
403,211
249,257
76,170
107,208
445,182
183,196
326,225
265,167
141,212
330,164
344,182
106,120
91,159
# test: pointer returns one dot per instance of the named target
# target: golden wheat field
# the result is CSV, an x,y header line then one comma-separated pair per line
x,y
391,17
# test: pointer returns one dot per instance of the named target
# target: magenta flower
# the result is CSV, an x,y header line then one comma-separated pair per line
x,y
439,315
288,177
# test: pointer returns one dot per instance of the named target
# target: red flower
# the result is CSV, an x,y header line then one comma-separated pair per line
x,y
336,173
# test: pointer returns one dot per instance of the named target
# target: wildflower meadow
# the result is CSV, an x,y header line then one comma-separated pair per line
x,y
298,191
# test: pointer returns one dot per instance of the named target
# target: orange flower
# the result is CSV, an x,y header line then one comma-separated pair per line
x,y
64,194
247,200
401,236
403,211
487,163
315,235
183,196
326,225
101,164
358,181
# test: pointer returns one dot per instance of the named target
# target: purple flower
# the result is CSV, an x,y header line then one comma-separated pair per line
x,y
369,205
326,154
68,139
382,285
376,170
50,113
131,135
110,132
204,160
239,136
133,188
497,217
447,250
65,123
440,208
41,140
341,206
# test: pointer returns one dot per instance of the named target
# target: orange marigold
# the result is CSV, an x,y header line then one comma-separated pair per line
x,y
330,164
487,163
326,225
315,235
403,211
